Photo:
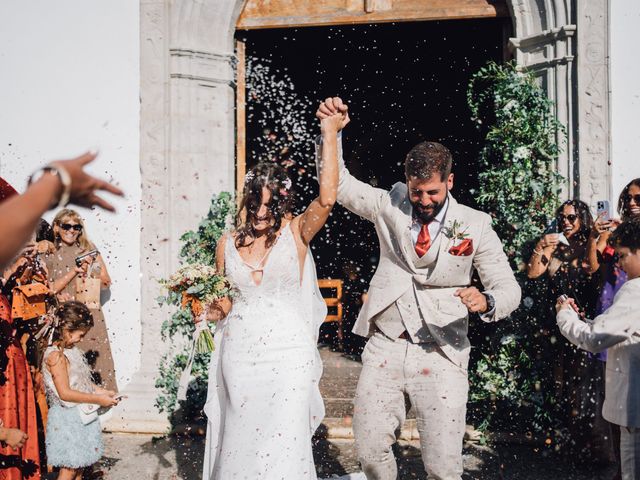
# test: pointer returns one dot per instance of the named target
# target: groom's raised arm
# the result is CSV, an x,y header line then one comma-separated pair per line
x,y
353,194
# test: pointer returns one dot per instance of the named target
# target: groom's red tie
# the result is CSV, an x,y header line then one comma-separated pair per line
x,y
424,240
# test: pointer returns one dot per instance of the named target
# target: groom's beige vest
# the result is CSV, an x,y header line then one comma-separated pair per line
x,y
404,314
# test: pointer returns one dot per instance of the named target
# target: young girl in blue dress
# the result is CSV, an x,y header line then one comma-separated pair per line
x,y
74,437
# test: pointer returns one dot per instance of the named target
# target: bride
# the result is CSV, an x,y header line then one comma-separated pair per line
x,y
263,402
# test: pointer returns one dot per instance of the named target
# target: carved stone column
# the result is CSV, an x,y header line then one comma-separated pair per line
x,y
594,166
549,55
187,155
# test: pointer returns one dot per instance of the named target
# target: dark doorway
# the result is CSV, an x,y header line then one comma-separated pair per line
x,y
404,83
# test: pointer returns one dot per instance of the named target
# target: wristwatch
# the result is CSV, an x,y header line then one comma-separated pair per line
x,y
491,302
63,176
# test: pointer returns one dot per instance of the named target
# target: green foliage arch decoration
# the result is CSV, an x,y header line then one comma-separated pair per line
x,y
512,379
199,246
519,183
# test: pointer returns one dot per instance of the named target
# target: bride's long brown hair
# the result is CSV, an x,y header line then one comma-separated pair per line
x,y
275,179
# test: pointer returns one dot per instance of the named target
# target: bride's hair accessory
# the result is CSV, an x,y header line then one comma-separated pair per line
x,y
249,176
287,183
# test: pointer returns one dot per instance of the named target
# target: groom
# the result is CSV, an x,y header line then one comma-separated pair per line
x,y
416,313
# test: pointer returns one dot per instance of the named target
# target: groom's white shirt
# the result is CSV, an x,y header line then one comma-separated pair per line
x,y
445,315
434,226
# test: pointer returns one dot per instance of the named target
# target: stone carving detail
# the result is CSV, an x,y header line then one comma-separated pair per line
x,y
568,50
593,101
549,55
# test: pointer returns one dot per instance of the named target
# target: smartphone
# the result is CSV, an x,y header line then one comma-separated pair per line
x,y
552,227
602,208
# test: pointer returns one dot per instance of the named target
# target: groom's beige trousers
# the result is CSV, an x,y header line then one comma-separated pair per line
x,y
437,389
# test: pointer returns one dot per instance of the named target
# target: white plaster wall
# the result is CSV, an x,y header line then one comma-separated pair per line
x,y
625,94
69,81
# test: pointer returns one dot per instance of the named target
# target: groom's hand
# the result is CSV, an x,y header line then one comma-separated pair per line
x,y
473,299
332,106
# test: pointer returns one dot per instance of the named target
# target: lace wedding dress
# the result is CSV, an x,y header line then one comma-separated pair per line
x,y
263,401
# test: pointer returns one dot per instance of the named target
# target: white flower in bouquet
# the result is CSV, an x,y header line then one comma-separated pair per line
x,y
199,286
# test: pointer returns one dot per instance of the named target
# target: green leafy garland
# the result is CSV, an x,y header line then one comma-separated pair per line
x,y
519,183
519,187
199,247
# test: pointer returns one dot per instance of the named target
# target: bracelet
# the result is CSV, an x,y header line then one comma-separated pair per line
x,y
538,252
63,176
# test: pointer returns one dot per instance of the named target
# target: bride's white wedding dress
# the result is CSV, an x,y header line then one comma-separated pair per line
x,y
263,401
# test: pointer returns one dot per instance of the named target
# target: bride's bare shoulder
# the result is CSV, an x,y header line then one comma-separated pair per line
x,y
222,241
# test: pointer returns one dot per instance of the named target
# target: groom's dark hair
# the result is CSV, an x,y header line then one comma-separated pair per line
x,y
426,159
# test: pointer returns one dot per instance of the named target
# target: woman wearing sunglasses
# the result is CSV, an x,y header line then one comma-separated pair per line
x,y
560,259
69,278
601,255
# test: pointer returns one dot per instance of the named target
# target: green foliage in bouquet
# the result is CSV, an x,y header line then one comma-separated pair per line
x,y
519,187
198,249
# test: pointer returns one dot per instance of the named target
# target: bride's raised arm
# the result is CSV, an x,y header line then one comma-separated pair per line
x,y
314,217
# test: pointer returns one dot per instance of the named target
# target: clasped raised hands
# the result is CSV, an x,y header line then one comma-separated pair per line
x,y
333,115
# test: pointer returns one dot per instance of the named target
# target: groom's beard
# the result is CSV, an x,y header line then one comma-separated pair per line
x,y
423,215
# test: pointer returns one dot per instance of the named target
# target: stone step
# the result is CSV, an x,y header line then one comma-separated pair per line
x,y
341,428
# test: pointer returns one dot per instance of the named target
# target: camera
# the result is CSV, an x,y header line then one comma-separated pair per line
x,y
80,258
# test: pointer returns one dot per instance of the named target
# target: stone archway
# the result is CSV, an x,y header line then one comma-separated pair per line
x,y
187,131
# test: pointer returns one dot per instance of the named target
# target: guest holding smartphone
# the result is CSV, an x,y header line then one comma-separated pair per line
x,y
602,258
82,280
618,330
601,254
578,375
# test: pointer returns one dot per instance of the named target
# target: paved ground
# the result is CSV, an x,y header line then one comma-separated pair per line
x,y
142,457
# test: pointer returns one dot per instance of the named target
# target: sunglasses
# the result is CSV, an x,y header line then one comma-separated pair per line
x,y
71,226
571,217
636,198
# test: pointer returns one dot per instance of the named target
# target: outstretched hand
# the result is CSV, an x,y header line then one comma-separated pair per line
x,y
84,186
333,106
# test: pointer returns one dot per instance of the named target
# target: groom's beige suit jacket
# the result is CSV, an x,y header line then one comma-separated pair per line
x,y
444,314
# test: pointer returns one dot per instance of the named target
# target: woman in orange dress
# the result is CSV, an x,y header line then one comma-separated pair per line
x,y
17,402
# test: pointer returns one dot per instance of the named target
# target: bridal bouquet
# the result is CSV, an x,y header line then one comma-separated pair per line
x,y
199,285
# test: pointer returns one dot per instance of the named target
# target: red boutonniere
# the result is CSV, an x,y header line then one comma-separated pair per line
x,y
462,246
